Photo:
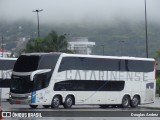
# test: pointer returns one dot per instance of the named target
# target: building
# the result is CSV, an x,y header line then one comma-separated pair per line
x,y
81,45
4,53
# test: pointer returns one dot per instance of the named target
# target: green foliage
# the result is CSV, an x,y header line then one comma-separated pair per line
x,y
107,34
34,45
158,78
55,43
158,74
158,81
51,43
158,54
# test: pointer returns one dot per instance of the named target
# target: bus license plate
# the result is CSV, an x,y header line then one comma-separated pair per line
x,y
18,102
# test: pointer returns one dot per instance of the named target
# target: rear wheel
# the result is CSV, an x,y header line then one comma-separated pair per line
x,y
135,101
125,102
46,106
55,102
33,106
68,102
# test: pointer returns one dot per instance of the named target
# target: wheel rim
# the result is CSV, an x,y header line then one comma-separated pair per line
x,y
69,102
135,101
56,102
125,102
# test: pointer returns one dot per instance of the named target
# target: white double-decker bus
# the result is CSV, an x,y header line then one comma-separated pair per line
x,y
6,65
54,79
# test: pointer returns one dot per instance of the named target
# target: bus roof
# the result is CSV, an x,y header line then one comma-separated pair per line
x,y
4,58
91,56
41,54
110,57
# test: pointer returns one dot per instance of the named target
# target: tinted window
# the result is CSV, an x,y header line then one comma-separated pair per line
x,y
7,64
48,62
89,85
140,66
102,64
31,63
72,63
21,84
80,63
26,63
41,80
122,64
5,83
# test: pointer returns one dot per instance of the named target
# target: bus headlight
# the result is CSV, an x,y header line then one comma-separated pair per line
x,y
29,97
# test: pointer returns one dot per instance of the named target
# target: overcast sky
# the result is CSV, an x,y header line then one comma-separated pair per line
x,y
79,11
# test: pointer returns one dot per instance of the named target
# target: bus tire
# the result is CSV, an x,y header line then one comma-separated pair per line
x,y
125,101
68,102
33,106
46,106
135,101
55,102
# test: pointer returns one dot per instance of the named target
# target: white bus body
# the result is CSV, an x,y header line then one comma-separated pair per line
x,y
66,79
6,65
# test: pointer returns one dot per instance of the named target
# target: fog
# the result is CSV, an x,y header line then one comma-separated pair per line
x,y
79,11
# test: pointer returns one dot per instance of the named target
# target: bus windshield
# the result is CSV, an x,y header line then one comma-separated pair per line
x,y
26,63
31,63
23,84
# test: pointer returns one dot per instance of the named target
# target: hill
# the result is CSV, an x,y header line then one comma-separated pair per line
x,y
120,38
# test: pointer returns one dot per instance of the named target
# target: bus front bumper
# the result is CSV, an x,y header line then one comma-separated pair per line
x,y
14,101
20,100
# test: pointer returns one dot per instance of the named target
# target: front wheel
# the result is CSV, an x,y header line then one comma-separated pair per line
x,y
68,102
33,106
135,101
55,102
125,102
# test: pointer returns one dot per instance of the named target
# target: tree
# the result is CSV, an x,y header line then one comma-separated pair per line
x,y
51,43
55,43
34,45
158,74
158,54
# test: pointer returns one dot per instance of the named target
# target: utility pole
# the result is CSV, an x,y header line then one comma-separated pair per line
x,y
146,29
102,49
121,43
37,11
2,46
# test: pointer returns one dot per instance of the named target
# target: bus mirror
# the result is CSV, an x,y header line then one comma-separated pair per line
x,y
38,72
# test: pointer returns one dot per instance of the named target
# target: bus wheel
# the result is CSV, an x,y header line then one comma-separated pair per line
x,y
68,102
125,101
55,102
46,106
135,101
33,106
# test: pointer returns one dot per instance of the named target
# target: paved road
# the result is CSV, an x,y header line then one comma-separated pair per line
x,y
77,111
155,105
8,107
